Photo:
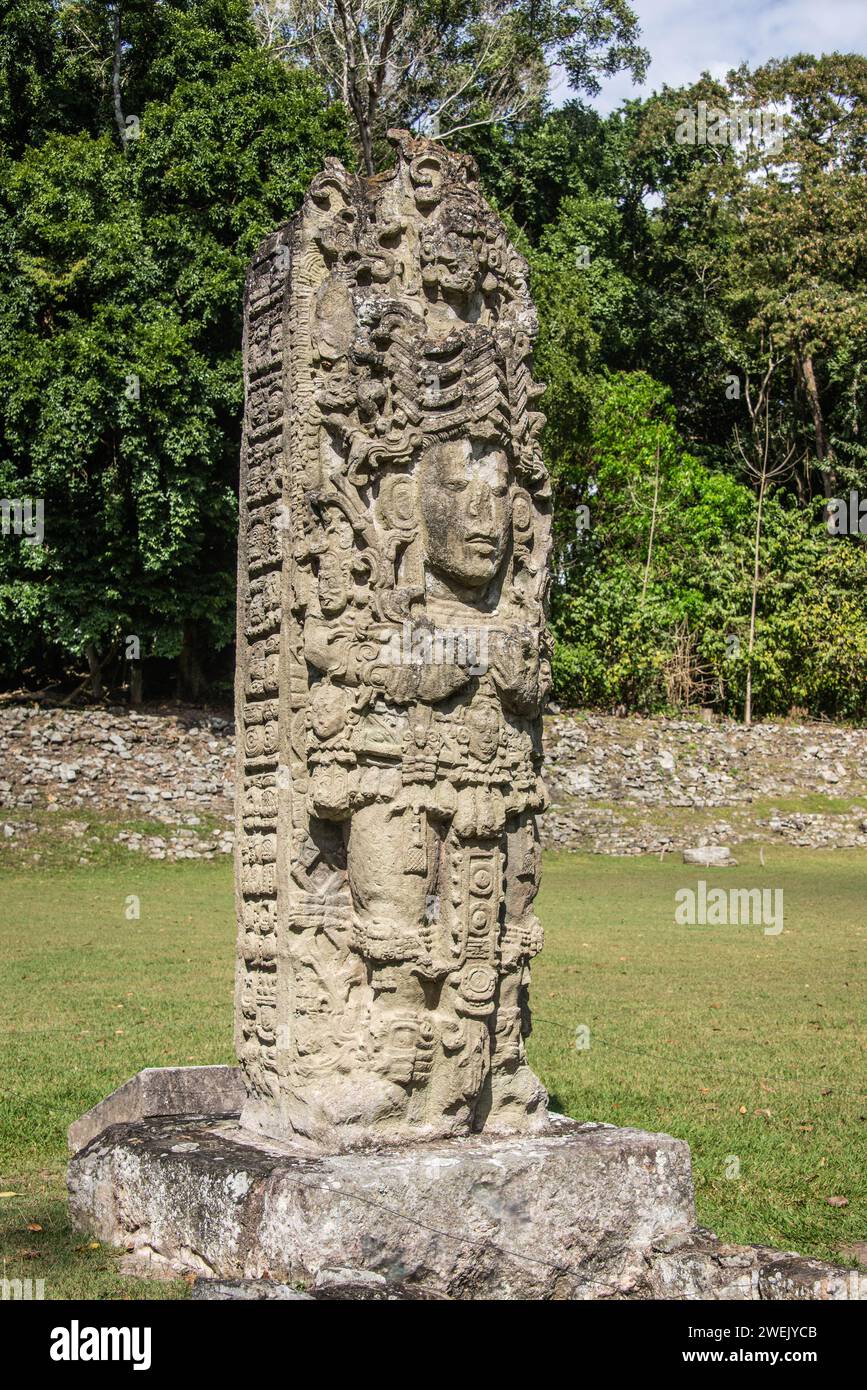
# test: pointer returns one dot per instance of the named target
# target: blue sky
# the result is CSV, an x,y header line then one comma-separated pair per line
x,y
686,36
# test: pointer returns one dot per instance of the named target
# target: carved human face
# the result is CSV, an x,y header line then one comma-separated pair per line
x,y
327,710
483,727
466,510
449,261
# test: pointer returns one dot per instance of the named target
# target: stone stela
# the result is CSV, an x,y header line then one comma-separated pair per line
x,y
392,489
393,660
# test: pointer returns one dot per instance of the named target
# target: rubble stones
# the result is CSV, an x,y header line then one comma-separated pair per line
x,y
174,769
609,793
645,786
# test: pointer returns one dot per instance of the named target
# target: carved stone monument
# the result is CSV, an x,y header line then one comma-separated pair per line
x,y
392,664
384,1136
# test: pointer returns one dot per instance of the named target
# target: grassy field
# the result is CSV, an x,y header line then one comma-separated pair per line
x,y
749,1046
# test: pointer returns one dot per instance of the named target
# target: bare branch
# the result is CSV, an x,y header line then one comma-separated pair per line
x,y
115,74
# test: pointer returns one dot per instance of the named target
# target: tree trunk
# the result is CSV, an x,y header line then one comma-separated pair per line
x,y
823,451
652,531
136,683
748,702
115,75
94,665
364,132
190,677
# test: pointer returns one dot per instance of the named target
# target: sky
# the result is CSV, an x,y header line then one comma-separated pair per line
x,y
687,36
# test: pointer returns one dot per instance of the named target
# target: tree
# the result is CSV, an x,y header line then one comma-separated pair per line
x,y
805,236
121,270
763,470
443,67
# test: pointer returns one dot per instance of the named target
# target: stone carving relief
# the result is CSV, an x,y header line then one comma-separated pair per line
x,y
393,663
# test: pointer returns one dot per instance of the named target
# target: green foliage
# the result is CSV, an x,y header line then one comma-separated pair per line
x,y
456,67
652,599
671,280
121,270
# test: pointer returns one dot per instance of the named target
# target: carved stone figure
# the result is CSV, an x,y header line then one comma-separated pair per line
x,y
393,662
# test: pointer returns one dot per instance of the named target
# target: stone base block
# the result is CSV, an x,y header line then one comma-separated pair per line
x,y
704,1267
162,1091
570,1214
579,1212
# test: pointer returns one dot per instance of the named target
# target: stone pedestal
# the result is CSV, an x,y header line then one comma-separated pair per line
x,y
579,1212
565,1215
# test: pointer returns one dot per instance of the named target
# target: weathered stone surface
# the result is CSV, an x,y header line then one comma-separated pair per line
x,y
247,1290
703,1267
572,1213
353,1286
393,662
586,1212
162,1091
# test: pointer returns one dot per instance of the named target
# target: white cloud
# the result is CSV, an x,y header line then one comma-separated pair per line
x,y
686,37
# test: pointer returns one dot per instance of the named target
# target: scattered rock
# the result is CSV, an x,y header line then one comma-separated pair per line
x,y
710,857
620,786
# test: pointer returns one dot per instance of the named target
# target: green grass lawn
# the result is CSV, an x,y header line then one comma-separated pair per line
x,y
748,1046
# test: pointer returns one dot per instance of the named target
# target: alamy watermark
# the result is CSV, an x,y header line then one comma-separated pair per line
x,y
847,516
23,516
451,646
712,125
77,1343
18,1290
733,907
